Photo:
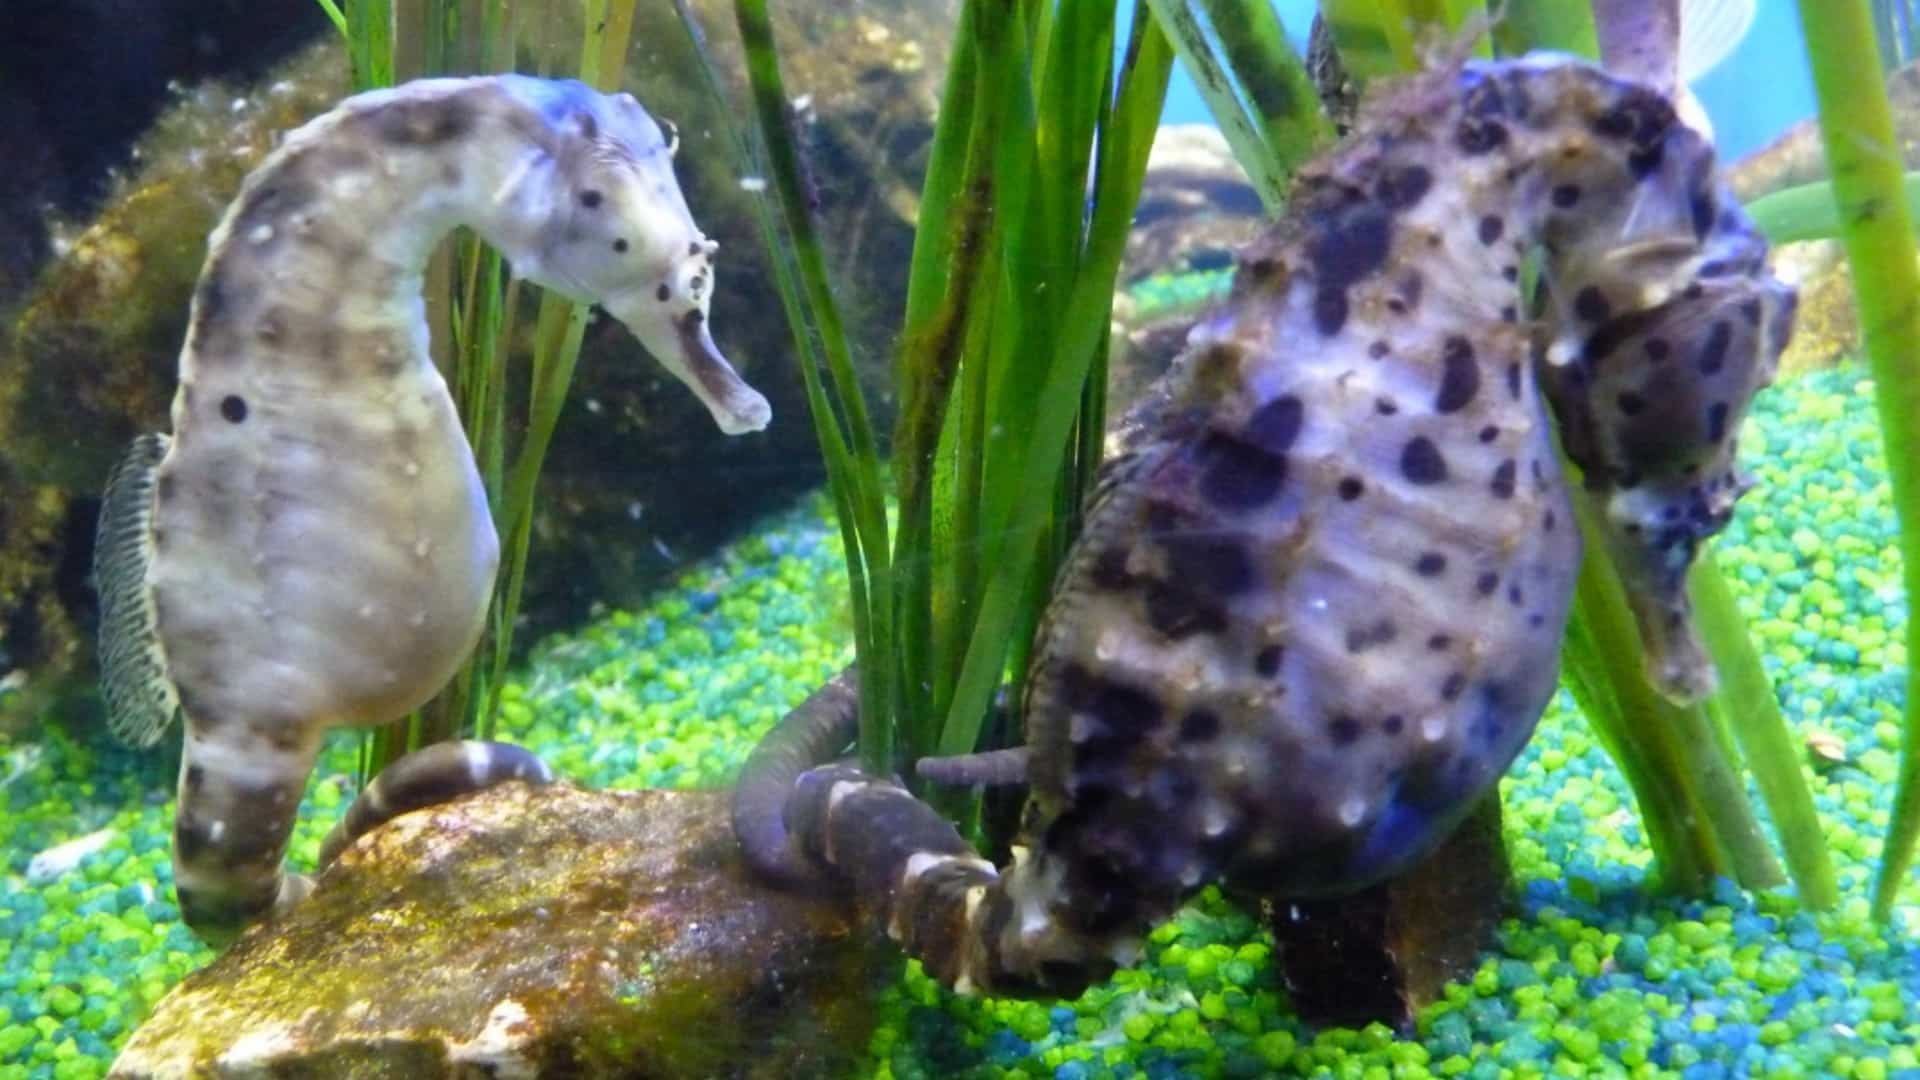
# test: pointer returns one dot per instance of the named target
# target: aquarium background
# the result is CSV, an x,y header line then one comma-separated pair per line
x,y
1593,976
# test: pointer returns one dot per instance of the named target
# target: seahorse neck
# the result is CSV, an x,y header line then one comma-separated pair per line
x,y
339,224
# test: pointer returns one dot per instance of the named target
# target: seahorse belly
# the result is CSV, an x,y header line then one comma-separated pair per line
x,y
334,567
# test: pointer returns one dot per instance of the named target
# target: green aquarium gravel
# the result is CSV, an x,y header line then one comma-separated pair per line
x,y
1594,975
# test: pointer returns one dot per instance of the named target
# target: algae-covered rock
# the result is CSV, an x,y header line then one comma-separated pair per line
x,y
534,932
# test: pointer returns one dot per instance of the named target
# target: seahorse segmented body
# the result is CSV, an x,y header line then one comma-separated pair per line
x,y
312,546
1316,605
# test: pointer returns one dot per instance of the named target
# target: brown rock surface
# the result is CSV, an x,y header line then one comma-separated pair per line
x,y
525,932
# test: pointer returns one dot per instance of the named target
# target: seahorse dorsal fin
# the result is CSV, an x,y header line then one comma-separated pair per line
x,y
141,700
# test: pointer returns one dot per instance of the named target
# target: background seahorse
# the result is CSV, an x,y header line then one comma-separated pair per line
x,y
1316,606
312,546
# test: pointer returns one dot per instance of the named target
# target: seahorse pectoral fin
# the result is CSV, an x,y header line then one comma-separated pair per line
x,y
684,345
142,702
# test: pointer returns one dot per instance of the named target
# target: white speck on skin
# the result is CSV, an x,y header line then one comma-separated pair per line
x,y
261,234
216,830
412,468
366,611
1352,811
422,547
1434,727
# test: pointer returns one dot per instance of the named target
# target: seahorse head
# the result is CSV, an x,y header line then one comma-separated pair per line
x,y
620,234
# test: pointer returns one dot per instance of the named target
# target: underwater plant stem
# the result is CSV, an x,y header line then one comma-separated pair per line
x,y
1863,154
1747,702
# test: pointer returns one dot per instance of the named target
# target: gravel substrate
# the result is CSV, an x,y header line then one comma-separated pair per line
x,y
1593,977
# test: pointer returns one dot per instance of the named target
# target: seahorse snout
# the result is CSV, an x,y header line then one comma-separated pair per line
x,y
684,345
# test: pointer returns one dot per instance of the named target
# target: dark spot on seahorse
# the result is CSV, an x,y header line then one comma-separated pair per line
x,y
590,198
1440,642
1459,377
1266,663
1124,710
1392,724
424,122
1402,186
1177,611
663,294
1645,162
1701,206
1238,475
1199,724
1362,638
1406,293
1110,570
1491,228
1216,562
1385,407
1275,425
693,247
1591,304
1713,354
1502,484
1343,729
1750,310
1510,273
1351,243
1421,463
1515,596
1350,488
1476,137
620,244
1509,313
1716,421
1430,564
1631,403
1378,350
1329,311
1486,583
1513,380
1452,687
234,408
1489,433
1658,349
1565,196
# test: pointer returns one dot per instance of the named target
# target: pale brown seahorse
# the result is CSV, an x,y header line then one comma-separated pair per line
x,y
312,546
1316,605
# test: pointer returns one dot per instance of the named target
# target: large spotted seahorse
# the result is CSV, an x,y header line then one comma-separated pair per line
x,y
312,546
1316,605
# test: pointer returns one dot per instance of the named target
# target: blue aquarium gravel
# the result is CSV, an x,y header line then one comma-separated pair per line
x,y
1593,976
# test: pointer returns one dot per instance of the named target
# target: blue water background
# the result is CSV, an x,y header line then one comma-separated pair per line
x,y
1757,92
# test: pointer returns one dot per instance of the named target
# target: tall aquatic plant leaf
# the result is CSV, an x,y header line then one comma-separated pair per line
x,y
853,472
1123,147
1747,706
1562,25
1690,793
1856,128
1809,212
951,283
